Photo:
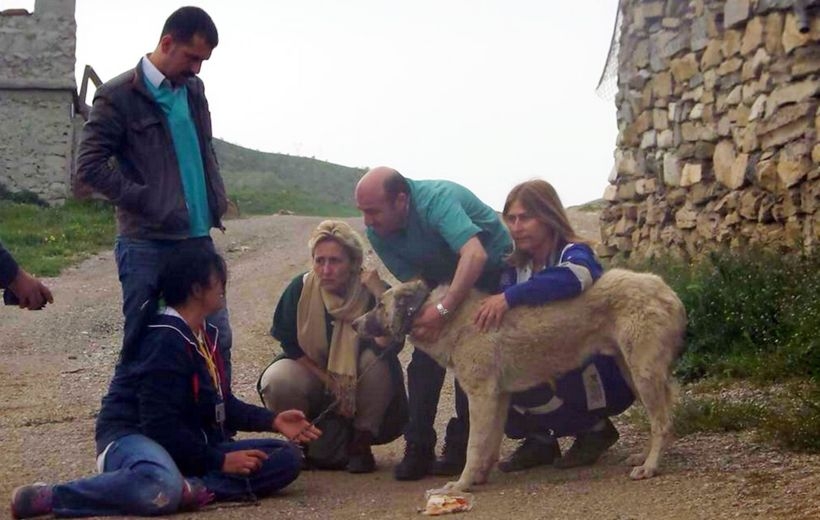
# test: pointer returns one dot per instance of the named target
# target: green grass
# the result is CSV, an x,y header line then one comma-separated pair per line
x,y
45,240
754,317
264,202
751,315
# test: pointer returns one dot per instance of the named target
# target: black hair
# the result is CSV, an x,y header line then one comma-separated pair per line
x,y
394,184
186,22
186,266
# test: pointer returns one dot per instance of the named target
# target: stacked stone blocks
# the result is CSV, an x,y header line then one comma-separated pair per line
x,y
718,128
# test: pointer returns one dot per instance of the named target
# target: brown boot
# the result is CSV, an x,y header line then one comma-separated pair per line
x,y
360,456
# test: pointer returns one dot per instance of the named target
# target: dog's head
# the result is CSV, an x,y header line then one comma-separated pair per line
x,y
394,311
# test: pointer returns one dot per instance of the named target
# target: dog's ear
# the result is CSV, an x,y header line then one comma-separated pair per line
x,y
373,282
412,297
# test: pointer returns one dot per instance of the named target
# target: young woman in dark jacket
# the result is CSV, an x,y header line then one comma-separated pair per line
x,y
161,433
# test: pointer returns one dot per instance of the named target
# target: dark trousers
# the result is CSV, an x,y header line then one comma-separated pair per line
x,y
424,380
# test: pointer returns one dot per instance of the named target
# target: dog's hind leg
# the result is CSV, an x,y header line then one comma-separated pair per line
x,y
655,392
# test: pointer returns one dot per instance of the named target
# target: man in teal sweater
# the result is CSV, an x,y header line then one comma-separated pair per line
x,y
440,232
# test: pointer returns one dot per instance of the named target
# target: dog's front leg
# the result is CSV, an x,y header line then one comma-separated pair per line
x,y
487,415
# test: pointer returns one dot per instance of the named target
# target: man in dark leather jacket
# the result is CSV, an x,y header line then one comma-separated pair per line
x,y
147,147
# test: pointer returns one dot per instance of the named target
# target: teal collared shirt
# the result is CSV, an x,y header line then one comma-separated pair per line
x,y
174,104
443,216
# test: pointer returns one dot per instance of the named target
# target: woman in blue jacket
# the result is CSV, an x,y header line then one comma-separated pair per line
x,y
162,439
552,263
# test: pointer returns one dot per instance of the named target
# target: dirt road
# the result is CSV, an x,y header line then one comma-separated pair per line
x,y
55,365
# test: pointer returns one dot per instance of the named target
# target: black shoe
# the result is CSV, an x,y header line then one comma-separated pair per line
x,y
589,446
452,460
416,463
532,452
454,454
360,456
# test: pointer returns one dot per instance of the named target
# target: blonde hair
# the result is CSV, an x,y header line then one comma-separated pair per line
x,y
341,233
541,200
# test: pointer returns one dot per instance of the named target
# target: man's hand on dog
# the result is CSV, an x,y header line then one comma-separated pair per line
x,y
428,324
491,311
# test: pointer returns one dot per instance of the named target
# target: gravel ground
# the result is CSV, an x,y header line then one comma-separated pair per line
x,y
55,365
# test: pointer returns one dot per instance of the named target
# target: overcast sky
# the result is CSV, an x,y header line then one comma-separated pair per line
x,y
486,93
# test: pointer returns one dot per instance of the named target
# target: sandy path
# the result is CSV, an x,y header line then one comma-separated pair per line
x,y
55,365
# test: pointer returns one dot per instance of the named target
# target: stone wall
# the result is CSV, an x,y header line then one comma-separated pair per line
x,y
37,99
718,128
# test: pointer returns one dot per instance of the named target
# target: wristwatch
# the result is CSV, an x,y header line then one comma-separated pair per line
x,y
442,310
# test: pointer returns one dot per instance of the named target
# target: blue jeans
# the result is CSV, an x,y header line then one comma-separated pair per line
x,y
140,478
138,264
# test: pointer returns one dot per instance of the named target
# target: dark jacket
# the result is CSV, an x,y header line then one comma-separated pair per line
x,y
8,268
167,394
127,154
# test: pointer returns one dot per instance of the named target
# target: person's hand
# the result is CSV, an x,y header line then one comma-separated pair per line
x,y
294,425
428,324
490,312
243,462
30,291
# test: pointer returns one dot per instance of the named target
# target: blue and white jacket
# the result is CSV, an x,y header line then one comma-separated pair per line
x,y
567,274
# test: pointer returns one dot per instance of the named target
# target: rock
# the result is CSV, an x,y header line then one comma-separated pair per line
x,y
691,174
731,43
793,164
684,68
792,93
610,193
712,56
671,170
758,107
686,218
806,61
722,161
735,12
773,32
645,186
666,139
792,37
648,139
660,119
737,175
662,85
752,37
750,204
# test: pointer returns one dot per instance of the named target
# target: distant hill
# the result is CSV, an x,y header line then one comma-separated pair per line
x,y
264,183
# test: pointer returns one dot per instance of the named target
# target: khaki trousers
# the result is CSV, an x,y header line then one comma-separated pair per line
x,y
287,385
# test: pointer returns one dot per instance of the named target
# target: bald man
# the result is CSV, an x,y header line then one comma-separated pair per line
x,y
440,232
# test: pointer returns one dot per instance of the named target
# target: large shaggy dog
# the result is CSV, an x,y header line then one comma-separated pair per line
x,y
635,317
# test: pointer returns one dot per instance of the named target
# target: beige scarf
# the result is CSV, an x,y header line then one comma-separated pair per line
x,y
342,355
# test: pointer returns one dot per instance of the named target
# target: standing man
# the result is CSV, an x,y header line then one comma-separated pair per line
x,y
30,292
147,148
440,232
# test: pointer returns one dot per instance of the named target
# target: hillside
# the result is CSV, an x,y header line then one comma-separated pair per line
x,y
264,183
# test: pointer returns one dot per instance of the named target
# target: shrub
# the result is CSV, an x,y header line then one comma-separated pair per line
x,y
751,314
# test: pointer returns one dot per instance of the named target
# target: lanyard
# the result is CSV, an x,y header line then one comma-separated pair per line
x,y
209,355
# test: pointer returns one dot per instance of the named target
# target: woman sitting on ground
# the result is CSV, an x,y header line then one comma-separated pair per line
x,y
161,439
325,365
550,263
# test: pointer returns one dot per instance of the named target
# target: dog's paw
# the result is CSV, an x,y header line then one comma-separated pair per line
x,y
636,459
445,489
642,472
